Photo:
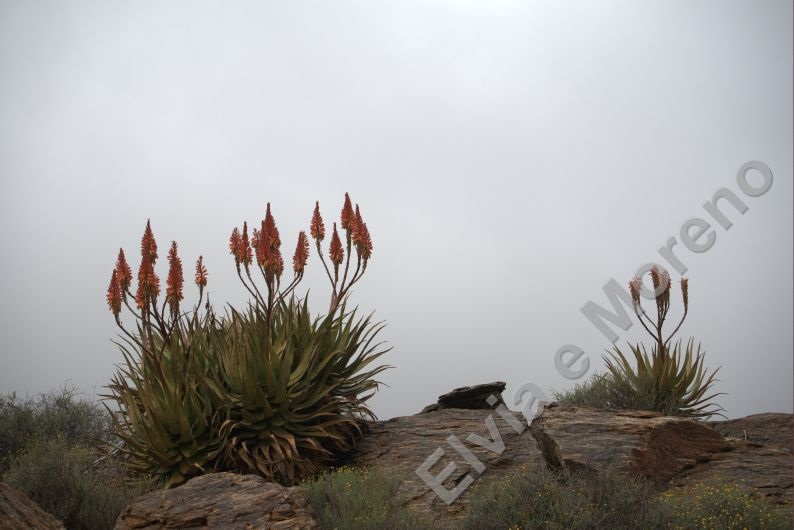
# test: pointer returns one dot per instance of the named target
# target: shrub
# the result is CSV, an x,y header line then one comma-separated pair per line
x,y
355,499
268,390
66,480
536,497
725,505
63,413
599,391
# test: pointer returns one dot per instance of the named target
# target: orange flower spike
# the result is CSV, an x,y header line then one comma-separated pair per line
x,y
317,229
336,252
269,228
301,253
245,247
262,247
148,244
348,217
123,272
201,272
365,243
277,263
148,282
234,245
356,228
114,294
141,294
175,279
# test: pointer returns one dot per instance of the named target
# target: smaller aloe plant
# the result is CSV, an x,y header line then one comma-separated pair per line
x,y
673,381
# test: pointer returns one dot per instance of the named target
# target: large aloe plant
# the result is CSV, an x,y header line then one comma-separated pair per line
x,y
267,390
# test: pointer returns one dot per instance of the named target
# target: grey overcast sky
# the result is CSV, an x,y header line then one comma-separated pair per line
x,y
510,158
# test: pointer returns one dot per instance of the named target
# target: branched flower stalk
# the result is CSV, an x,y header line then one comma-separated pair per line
x,y
662,286
151,320
356,237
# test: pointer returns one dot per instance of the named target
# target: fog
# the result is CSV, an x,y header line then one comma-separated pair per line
x,y
510,159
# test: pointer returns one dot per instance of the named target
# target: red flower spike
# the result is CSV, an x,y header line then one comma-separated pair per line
x,y
262,248
148,244
336,252
365,243
270,230
277,263
348,217
114,294
148,282
357,222
317,229
201,272
234,245
301,253
245,247
175,280
123,272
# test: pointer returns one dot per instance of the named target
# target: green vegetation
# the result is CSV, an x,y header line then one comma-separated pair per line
x,y
356,499
536,497
49,451
722,505
532,498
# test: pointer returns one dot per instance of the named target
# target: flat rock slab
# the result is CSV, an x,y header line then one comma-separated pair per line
x,y
469,397
764,470
770,428
401,445
17,512
645,443
220,501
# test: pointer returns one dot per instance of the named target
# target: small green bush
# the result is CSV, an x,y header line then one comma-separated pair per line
x,y
706,505
355,499
66,480
536,497
599,391
64,413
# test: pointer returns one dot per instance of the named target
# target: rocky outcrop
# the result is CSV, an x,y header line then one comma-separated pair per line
x,y
476,442
220,500
669,450
17,512
438,454
644,443
485,396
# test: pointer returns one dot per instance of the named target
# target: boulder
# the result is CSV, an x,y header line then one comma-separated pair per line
x,y
220,500
402,445
644,443
756,468
771,428
17,512
470,397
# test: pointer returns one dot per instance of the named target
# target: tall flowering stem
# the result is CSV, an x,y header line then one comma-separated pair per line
x,y
357,238
660,279
264,249
151,318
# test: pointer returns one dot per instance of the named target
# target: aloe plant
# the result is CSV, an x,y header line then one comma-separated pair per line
x,y
267,390
675,381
